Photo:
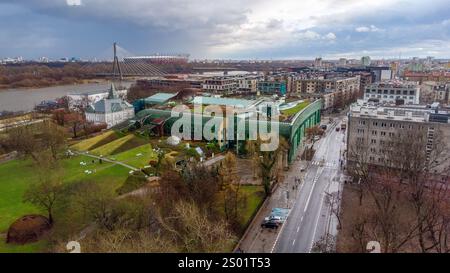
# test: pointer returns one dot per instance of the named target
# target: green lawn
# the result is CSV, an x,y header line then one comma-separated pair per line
x,y
296,109
255,197
137,157
97,141
17,175
28,248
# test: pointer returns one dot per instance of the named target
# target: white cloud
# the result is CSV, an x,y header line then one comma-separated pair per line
x,y
370,28
73,2
330,36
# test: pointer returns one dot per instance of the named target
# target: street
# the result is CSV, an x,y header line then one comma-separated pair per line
x,y
310,216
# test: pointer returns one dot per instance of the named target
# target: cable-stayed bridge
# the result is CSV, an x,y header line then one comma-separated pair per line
x,y
123,63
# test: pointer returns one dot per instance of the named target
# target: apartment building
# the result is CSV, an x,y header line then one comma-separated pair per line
x,y
393,92
248,84
221,84
372,128
272,87
317,85
435,92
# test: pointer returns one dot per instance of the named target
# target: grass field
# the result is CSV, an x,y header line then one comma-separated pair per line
x,y
296,109
17,175
137,157
255,197
95,142
119,145
28,248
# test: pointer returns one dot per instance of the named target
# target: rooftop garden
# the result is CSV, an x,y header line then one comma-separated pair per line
x,y
294,110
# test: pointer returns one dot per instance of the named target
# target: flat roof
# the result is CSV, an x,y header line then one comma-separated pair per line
x,y
160,97
222,101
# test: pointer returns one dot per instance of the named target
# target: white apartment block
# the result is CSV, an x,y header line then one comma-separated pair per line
x,y
221,85
372,127
392,92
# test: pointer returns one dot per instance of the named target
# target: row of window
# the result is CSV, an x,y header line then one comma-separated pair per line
x,y
392,92
391,125
391,97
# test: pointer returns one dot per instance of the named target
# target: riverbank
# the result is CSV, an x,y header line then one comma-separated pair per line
x,y
58,84
25,99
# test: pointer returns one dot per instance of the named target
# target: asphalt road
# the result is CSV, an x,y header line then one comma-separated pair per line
x,y
310,215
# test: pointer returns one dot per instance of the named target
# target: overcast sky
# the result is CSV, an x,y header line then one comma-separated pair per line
x,y
231,29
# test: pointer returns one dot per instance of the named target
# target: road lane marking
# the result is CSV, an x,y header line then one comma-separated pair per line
x,y
298,229
316,178
293,243
317,222
281,231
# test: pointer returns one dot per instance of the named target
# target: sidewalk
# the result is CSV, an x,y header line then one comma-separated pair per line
x,y
260,240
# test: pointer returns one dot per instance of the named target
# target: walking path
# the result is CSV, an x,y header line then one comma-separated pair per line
x,y
106,160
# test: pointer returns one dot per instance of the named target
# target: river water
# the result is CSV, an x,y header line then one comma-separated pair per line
x,y
26,99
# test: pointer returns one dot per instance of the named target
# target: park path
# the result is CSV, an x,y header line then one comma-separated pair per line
x,y
107,160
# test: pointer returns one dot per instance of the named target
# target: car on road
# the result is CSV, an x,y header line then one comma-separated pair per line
x,y
323,127
316,138
272,225
272,222
338,129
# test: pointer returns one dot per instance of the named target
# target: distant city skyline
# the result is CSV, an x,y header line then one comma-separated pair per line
x,y
264,29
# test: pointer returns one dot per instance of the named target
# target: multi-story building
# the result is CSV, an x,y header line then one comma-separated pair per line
x,y
393,92
365,61
248,84
317,85
344,88
373,128
272,87
437,76
380,73
164,83
221,84
435,92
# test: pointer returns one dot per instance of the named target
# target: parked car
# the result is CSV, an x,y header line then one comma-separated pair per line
x,y
272,225
323,127
271,222
338,129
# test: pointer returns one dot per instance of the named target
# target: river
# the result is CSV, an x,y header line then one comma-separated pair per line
x,y
26,99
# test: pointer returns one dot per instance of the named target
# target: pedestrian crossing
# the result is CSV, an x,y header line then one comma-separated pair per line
x,y
330,165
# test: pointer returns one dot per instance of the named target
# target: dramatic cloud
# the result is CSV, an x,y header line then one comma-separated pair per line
x,y
226,29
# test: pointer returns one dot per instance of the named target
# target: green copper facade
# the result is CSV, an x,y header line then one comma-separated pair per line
x,y
294,131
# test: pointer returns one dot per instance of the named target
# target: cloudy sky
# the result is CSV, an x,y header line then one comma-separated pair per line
x,y
262,29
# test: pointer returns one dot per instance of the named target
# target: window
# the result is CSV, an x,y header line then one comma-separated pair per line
x,y
374,133
373,141
375,123
383,133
